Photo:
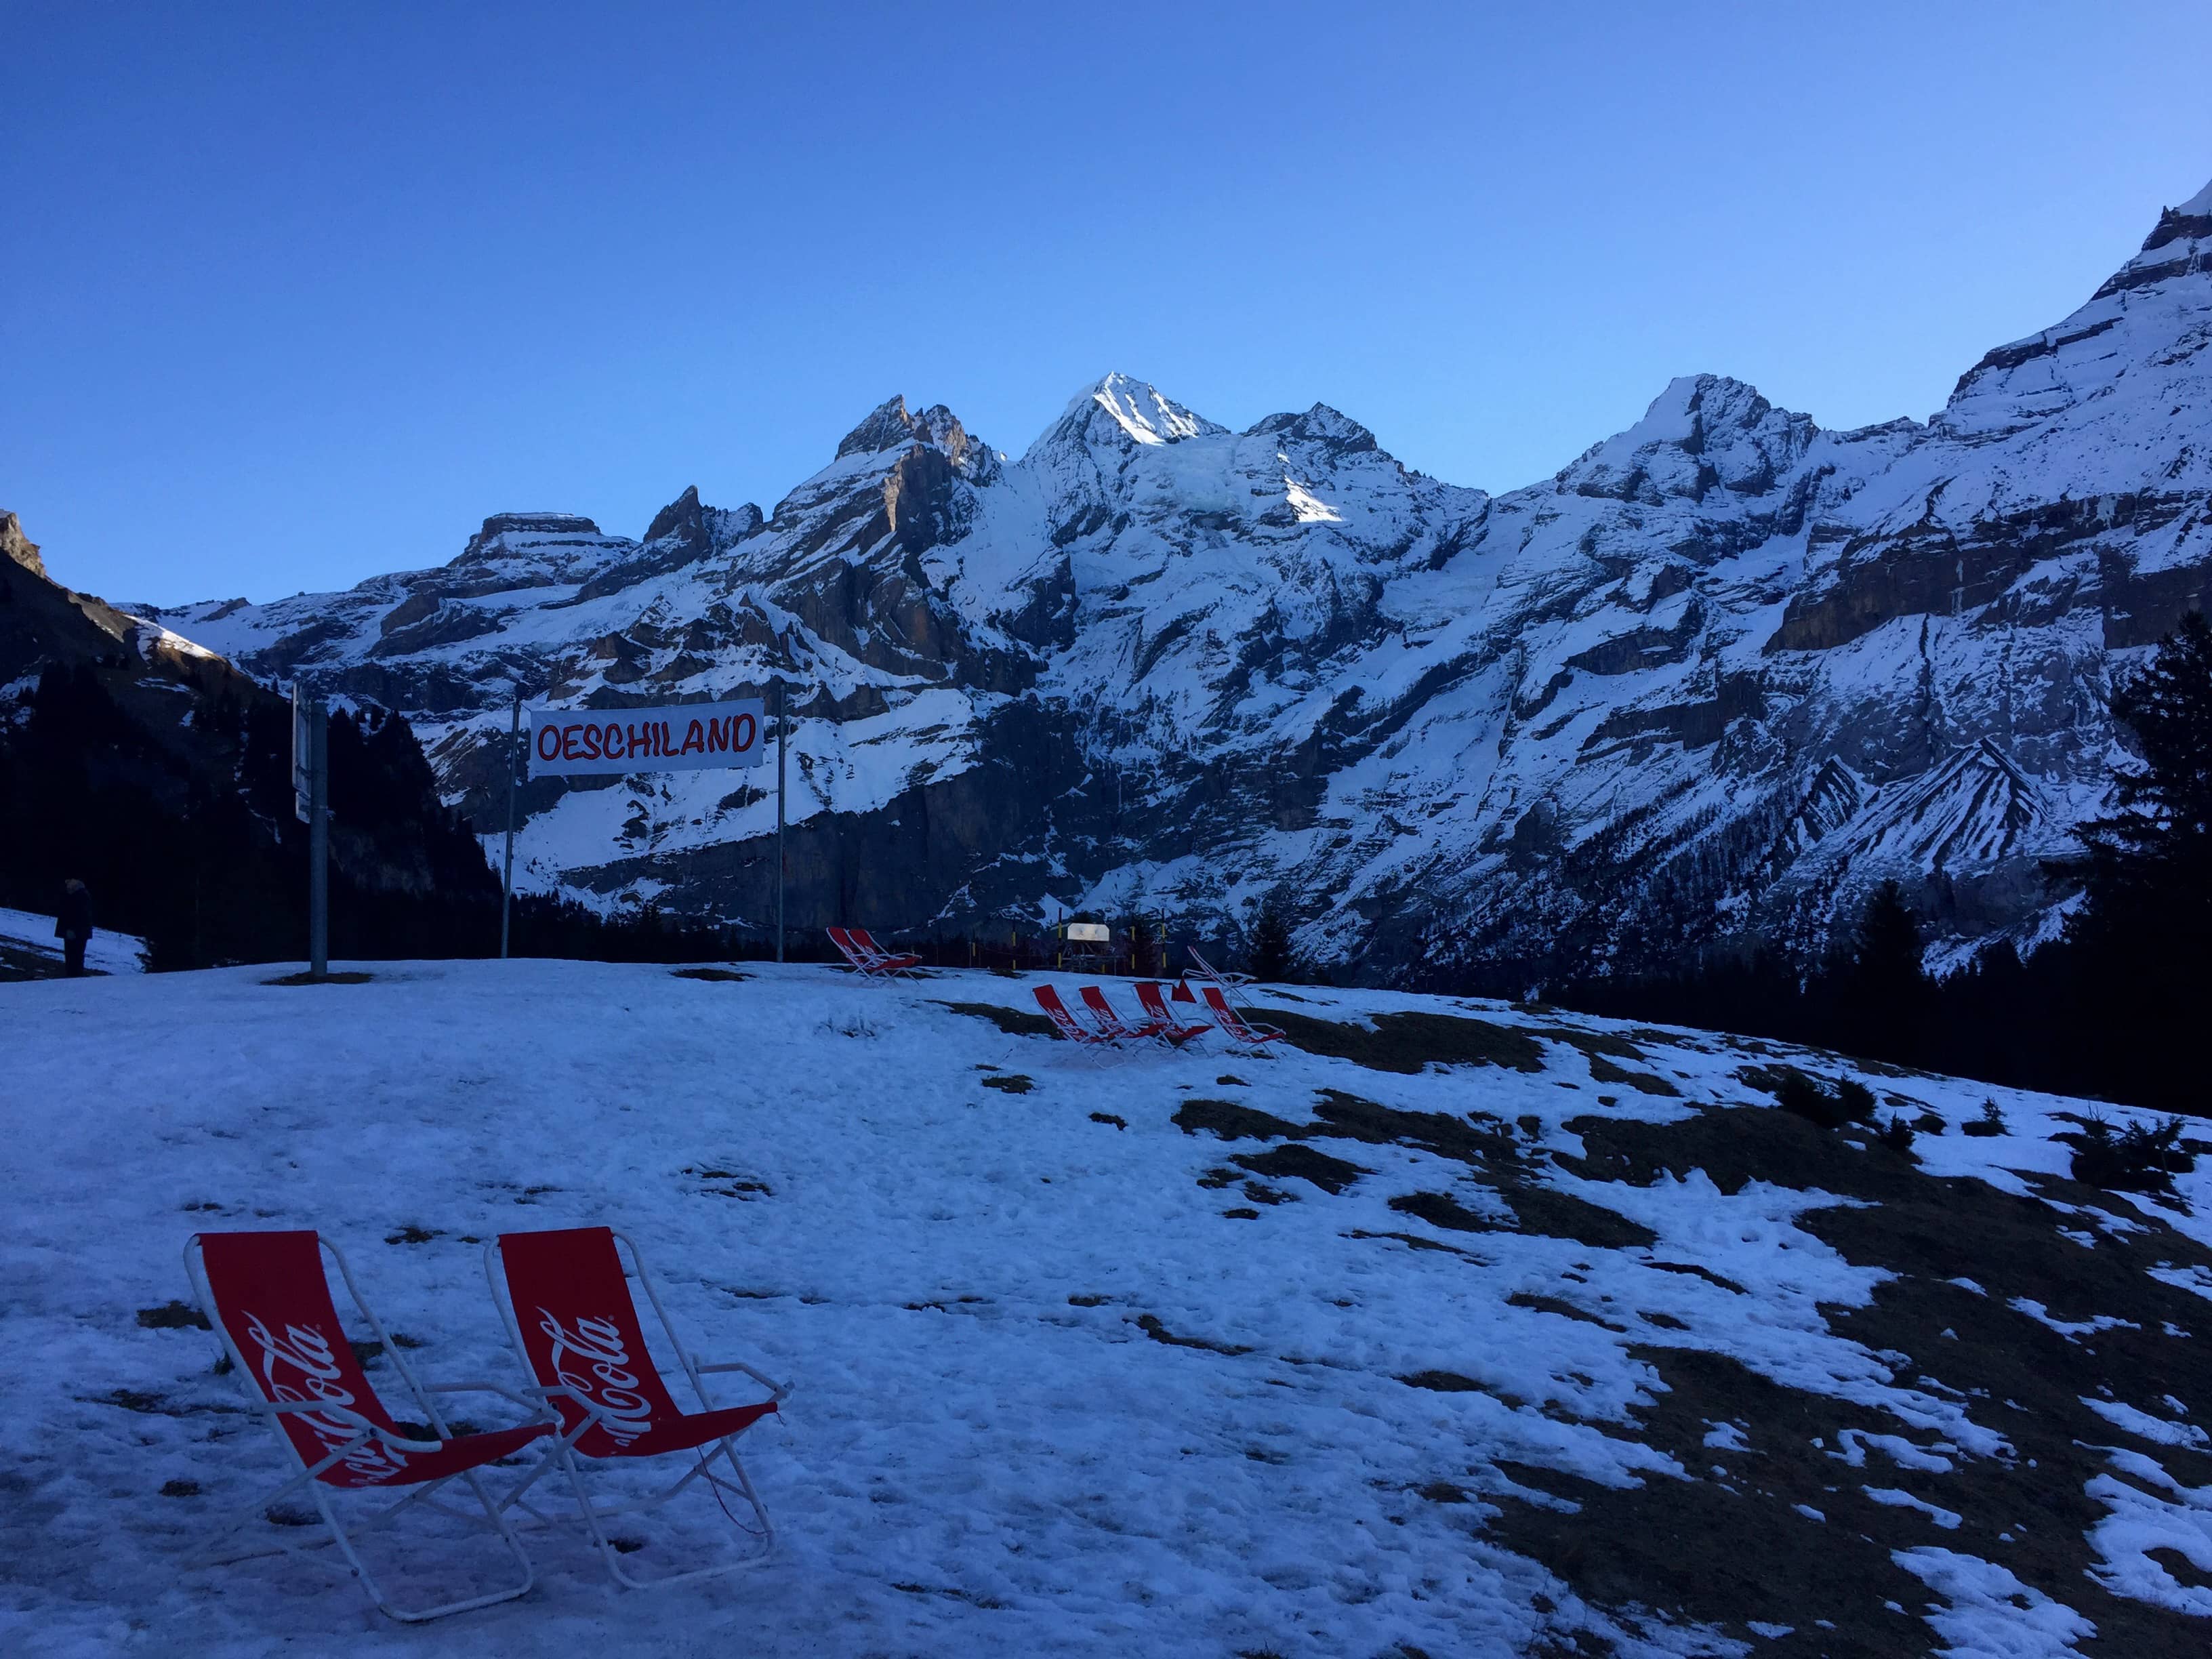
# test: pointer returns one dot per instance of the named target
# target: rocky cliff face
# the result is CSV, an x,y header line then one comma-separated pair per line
x,y
1716,678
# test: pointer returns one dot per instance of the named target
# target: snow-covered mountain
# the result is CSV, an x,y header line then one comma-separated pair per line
x,y
1721,673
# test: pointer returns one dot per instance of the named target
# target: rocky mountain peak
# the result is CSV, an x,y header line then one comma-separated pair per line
x,y
682,513
2191,220
1704,432
1118,412
699,528
887,426
16,545
2143,334
891,426
1330,429
509,532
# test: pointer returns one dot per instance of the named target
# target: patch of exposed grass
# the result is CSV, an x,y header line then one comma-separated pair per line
x,y
1442,1383
715,975
1442,1209
1151,1326
1602,1070
173,1316
1302,1162
1696,1272
1597,1043
1012,1083
1478,1142
1536,1210
1230,1122
1409,1042
326,979
1552,1304
1012,1021
133,1400
1108,1117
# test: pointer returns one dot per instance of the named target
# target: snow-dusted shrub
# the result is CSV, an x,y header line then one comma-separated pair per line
x,y
2137,1159
1990,1122
1848,1101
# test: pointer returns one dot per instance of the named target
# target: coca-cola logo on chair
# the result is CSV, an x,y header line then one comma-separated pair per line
x,y
299,1365
599,1374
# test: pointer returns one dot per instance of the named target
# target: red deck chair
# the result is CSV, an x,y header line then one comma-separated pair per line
x,y
572,1319
1250,1033
860,961
1064,1021
865,956
1208,973
1108,1022
269,1296
887,962
1164,1024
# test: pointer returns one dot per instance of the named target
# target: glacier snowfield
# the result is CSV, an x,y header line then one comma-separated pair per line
x,y
1461,1328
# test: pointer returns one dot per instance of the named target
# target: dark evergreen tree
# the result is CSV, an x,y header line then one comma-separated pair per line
x,y
1882,998
1267,951
2148,870
2141,944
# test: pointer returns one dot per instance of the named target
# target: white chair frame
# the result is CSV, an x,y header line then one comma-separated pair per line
x,y
594,1516
492,1518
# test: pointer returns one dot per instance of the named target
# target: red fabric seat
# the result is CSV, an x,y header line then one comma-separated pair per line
x,y
581,1333
1164,1025
274,1299
1063,1019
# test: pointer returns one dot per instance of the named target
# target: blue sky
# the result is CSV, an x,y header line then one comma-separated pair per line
x,y
297,295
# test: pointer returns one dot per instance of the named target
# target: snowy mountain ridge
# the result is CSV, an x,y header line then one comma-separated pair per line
x,y
1719,675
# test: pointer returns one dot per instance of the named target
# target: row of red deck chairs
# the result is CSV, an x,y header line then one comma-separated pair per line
x,y
861,952
1105,1026
597,1394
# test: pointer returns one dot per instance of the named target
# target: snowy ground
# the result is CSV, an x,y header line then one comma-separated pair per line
x,y
28,947
1429,1372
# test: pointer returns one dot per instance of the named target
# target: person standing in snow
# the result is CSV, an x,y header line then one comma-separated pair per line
x,y
73,926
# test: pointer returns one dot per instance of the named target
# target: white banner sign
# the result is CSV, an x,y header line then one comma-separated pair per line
x,y
689,738
1089,933
303,743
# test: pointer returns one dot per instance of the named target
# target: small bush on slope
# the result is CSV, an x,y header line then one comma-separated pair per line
x,y
2138,1159
1848,1101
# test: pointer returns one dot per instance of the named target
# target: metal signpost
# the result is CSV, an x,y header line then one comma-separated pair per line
x,y
310,803
782,731
692,737
514,765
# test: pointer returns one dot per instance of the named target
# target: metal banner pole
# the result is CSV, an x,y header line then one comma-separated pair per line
x,y
782,730
319,839
507,874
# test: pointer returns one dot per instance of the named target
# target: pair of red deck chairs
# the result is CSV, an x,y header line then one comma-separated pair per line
x,y
861,952
1159,1024
598,1395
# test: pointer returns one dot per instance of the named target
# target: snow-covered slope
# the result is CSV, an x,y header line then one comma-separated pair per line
x,y
1723,673
30,949
1460,1328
